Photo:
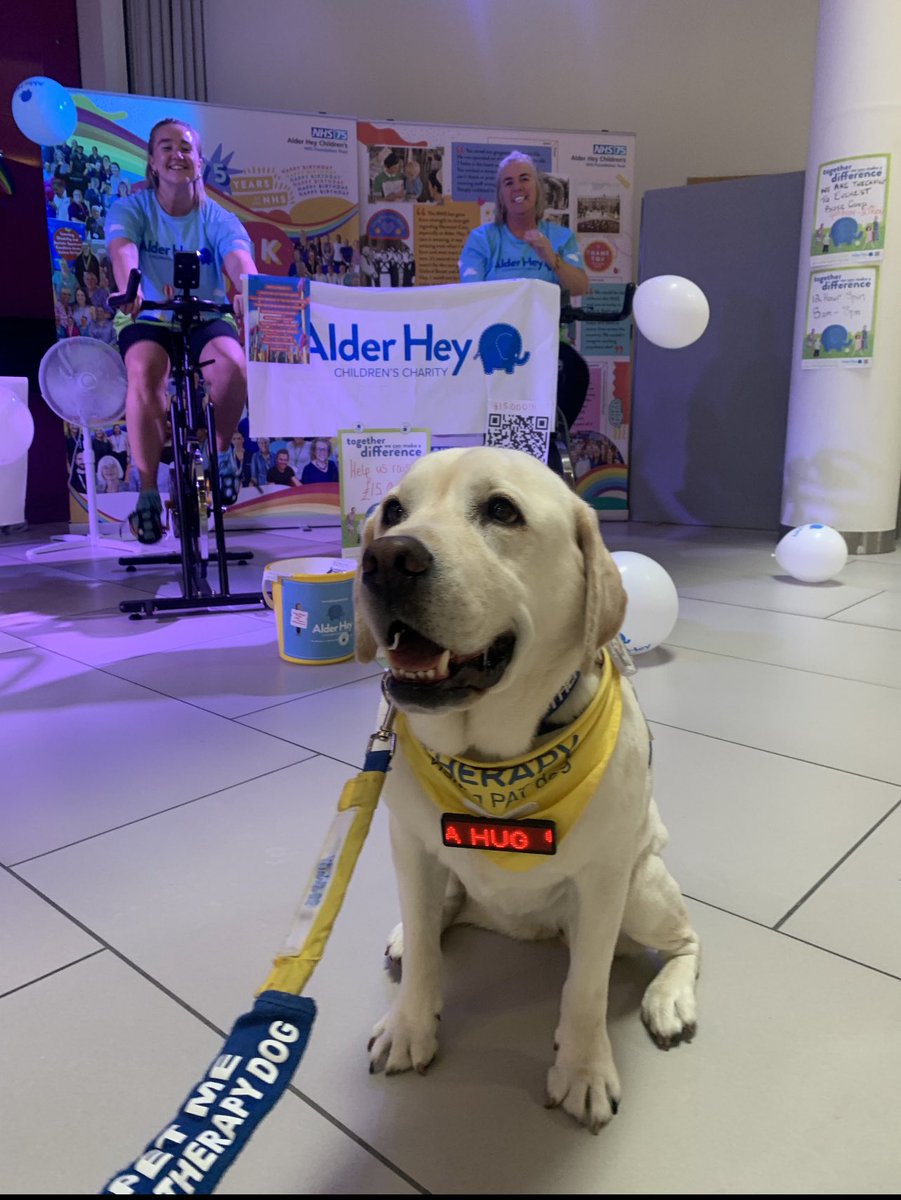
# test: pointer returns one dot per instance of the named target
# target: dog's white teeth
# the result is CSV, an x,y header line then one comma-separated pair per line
x,y
396,641
443,664
417,675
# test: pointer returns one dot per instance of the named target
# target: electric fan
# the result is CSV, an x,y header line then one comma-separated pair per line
x,y
84,382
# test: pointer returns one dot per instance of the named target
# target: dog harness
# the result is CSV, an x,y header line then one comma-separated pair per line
x,y
552,782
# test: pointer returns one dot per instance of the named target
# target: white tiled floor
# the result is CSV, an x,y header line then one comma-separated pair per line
x,y
166,784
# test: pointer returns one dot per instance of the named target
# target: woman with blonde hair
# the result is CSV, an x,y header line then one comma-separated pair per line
x,y
110,476
521,244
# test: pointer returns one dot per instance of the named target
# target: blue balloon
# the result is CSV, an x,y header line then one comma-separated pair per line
x,y
835,337
844,231
44,111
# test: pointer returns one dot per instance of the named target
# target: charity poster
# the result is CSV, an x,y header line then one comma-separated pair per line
x,y
423,187
599,438
291,179
840,314
372,462
850,210
277,321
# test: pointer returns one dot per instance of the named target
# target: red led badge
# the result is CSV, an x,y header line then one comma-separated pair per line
x,y
489,833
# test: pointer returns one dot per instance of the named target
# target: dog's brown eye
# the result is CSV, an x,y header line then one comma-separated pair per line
x,y
392,512
503,511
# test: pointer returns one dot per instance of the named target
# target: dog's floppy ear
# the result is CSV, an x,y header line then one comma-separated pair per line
x,y
365,645
605,596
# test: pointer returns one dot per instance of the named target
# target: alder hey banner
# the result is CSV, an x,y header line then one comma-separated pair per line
x,y
458,359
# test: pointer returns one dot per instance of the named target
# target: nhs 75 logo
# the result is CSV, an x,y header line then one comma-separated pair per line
x,y
609,151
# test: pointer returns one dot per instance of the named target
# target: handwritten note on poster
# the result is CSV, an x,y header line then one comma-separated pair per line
x,y
849,220
841,310
372,462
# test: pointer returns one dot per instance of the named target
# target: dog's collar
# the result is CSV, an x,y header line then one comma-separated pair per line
x,y
558,701
554,781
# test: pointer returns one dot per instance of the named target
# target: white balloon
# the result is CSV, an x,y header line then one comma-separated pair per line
x,y
670,311
812,553
652,601
44,111
16,427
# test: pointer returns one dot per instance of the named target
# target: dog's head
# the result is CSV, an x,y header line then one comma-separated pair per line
x,y
479,566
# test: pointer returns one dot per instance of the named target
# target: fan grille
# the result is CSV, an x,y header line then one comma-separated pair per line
x,y
84,381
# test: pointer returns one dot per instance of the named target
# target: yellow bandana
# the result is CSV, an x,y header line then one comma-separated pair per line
x,y
554,782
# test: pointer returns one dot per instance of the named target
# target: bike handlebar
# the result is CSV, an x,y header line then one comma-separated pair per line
x,y
184,305
568,313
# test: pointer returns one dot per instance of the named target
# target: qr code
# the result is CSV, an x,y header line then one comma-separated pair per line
x,y
519,433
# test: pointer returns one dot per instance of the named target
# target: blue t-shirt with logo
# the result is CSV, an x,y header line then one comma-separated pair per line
x,y
493,252
158,235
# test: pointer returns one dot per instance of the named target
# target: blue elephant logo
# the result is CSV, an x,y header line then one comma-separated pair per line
x,y
500,349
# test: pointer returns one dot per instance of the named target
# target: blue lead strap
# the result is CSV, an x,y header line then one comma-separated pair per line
x,y
260,1055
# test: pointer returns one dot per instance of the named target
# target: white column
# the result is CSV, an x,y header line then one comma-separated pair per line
x,y
843,444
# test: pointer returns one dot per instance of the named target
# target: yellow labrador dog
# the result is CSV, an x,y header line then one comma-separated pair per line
x,y
520,795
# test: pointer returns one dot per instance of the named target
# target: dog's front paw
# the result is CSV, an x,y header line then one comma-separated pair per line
x,y
588,1090
403,1041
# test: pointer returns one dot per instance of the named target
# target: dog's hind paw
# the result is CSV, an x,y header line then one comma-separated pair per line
x,y
401,1042
395,949
590,1094
669,1008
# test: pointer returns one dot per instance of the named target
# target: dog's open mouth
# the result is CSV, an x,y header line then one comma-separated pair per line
x,y
428,674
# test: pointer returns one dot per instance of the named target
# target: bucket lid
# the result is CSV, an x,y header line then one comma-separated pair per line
x,y
310,569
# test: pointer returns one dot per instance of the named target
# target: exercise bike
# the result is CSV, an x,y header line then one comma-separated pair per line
x,y
194,486
572,383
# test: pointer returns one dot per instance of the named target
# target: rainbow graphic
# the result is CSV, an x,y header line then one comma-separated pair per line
x,y
307,501
606,488
314,217
6,180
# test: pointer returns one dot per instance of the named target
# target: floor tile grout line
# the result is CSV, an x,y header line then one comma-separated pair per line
x,y
104,665
892,783
56,970
762,925
306,696
414,1183
850,607
835,866
105,946
312,754
237,718
838,954
105,669
764,662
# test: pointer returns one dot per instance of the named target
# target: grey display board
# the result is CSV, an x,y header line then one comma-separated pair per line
x,y
709,421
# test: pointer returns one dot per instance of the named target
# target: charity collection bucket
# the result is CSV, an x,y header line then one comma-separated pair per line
x,y
313,603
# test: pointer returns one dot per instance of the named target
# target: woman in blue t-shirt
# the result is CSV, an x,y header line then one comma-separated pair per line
x,y
520,244
145,230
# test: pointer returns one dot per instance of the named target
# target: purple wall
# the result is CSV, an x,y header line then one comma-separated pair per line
x,y
40,37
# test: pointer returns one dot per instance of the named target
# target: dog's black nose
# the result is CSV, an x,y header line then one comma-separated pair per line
x,y
392,565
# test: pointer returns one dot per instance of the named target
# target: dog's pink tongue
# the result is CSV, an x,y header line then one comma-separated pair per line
x,y
415,653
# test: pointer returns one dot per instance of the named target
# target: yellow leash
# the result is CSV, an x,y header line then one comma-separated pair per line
x,y
324,894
